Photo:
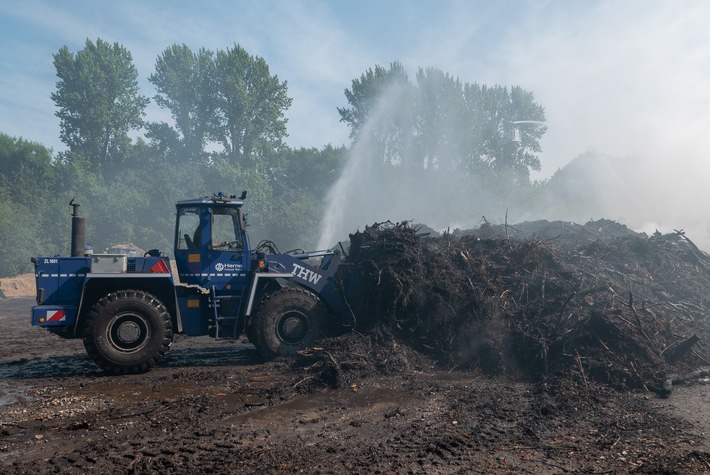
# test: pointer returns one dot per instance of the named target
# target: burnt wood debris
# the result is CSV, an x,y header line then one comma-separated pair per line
x,y
539,300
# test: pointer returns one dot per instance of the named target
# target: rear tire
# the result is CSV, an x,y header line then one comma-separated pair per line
x,y
287,321
128,332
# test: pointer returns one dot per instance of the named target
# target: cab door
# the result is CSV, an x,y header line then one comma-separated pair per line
x,y
227,256
188,243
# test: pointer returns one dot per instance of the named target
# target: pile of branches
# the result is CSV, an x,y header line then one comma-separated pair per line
x,y
616,307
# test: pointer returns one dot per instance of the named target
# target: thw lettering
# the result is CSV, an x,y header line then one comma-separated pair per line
x,y
305,274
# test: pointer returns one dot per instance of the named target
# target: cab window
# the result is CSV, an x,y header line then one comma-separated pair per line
x,y
188,228
226,229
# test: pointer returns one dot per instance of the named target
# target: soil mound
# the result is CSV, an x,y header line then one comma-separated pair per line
x,y
20,286
542,299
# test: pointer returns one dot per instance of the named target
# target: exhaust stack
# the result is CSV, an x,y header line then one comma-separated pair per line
x,y
78,231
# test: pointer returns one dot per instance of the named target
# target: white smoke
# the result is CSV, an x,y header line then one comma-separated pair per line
x,y
367,192
629,80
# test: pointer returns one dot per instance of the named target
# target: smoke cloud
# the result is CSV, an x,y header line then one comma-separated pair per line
x,y
625,88
368,192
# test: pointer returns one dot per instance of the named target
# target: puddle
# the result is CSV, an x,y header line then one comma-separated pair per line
x,y
362,400
215,354
9,395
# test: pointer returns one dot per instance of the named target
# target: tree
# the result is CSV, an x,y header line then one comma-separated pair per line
x,y
26,171
299,194
186,86
510,161
17,235
98,102
29,204
251,104
383,99
310,169
442,125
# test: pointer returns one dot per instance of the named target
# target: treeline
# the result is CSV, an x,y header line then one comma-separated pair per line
x,y
227,132
135,202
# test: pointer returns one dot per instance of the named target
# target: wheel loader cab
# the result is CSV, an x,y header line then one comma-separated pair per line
x,y
211,245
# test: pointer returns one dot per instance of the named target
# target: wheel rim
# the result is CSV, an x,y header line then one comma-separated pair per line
x,y
128,332
292,327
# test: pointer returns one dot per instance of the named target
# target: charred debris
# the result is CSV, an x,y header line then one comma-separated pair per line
x,y
594,303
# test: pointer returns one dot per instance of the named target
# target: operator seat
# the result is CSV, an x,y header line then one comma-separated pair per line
x,y
193,243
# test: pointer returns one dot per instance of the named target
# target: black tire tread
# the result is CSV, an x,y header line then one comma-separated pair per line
x,y
272,301
146,363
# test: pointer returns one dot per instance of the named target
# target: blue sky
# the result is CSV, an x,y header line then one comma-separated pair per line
x,y
628,78
319,47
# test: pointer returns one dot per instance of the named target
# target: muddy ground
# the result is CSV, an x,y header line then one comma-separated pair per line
x,y
212,407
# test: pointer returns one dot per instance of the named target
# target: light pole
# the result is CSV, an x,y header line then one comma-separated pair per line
x,y
516,130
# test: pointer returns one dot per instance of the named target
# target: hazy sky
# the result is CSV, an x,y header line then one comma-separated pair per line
x,y
620,77
627,79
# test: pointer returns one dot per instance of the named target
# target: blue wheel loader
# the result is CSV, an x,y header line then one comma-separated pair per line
x,y
128,308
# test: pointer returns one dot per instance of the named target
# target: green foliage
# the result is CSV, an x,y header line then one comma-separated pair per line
x,y
98,102
226,102
18,238
442,125
252,104
26,169
186,85
299,190
309,168
28,204
368,90
499,109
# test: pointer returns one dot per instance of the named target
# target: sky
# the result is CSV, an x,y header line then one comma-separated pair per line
x,y
627,79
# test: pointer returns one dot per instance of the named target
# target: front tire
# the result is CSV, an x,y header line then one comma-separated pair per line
x,y
287,321
128,332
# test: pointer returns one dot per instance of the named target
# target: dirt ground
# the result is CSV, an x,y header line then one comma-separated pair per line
x,y
212,407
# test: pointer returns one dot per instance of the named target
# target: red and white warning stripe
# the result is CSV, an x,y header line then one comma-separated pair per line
x,y
56,315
